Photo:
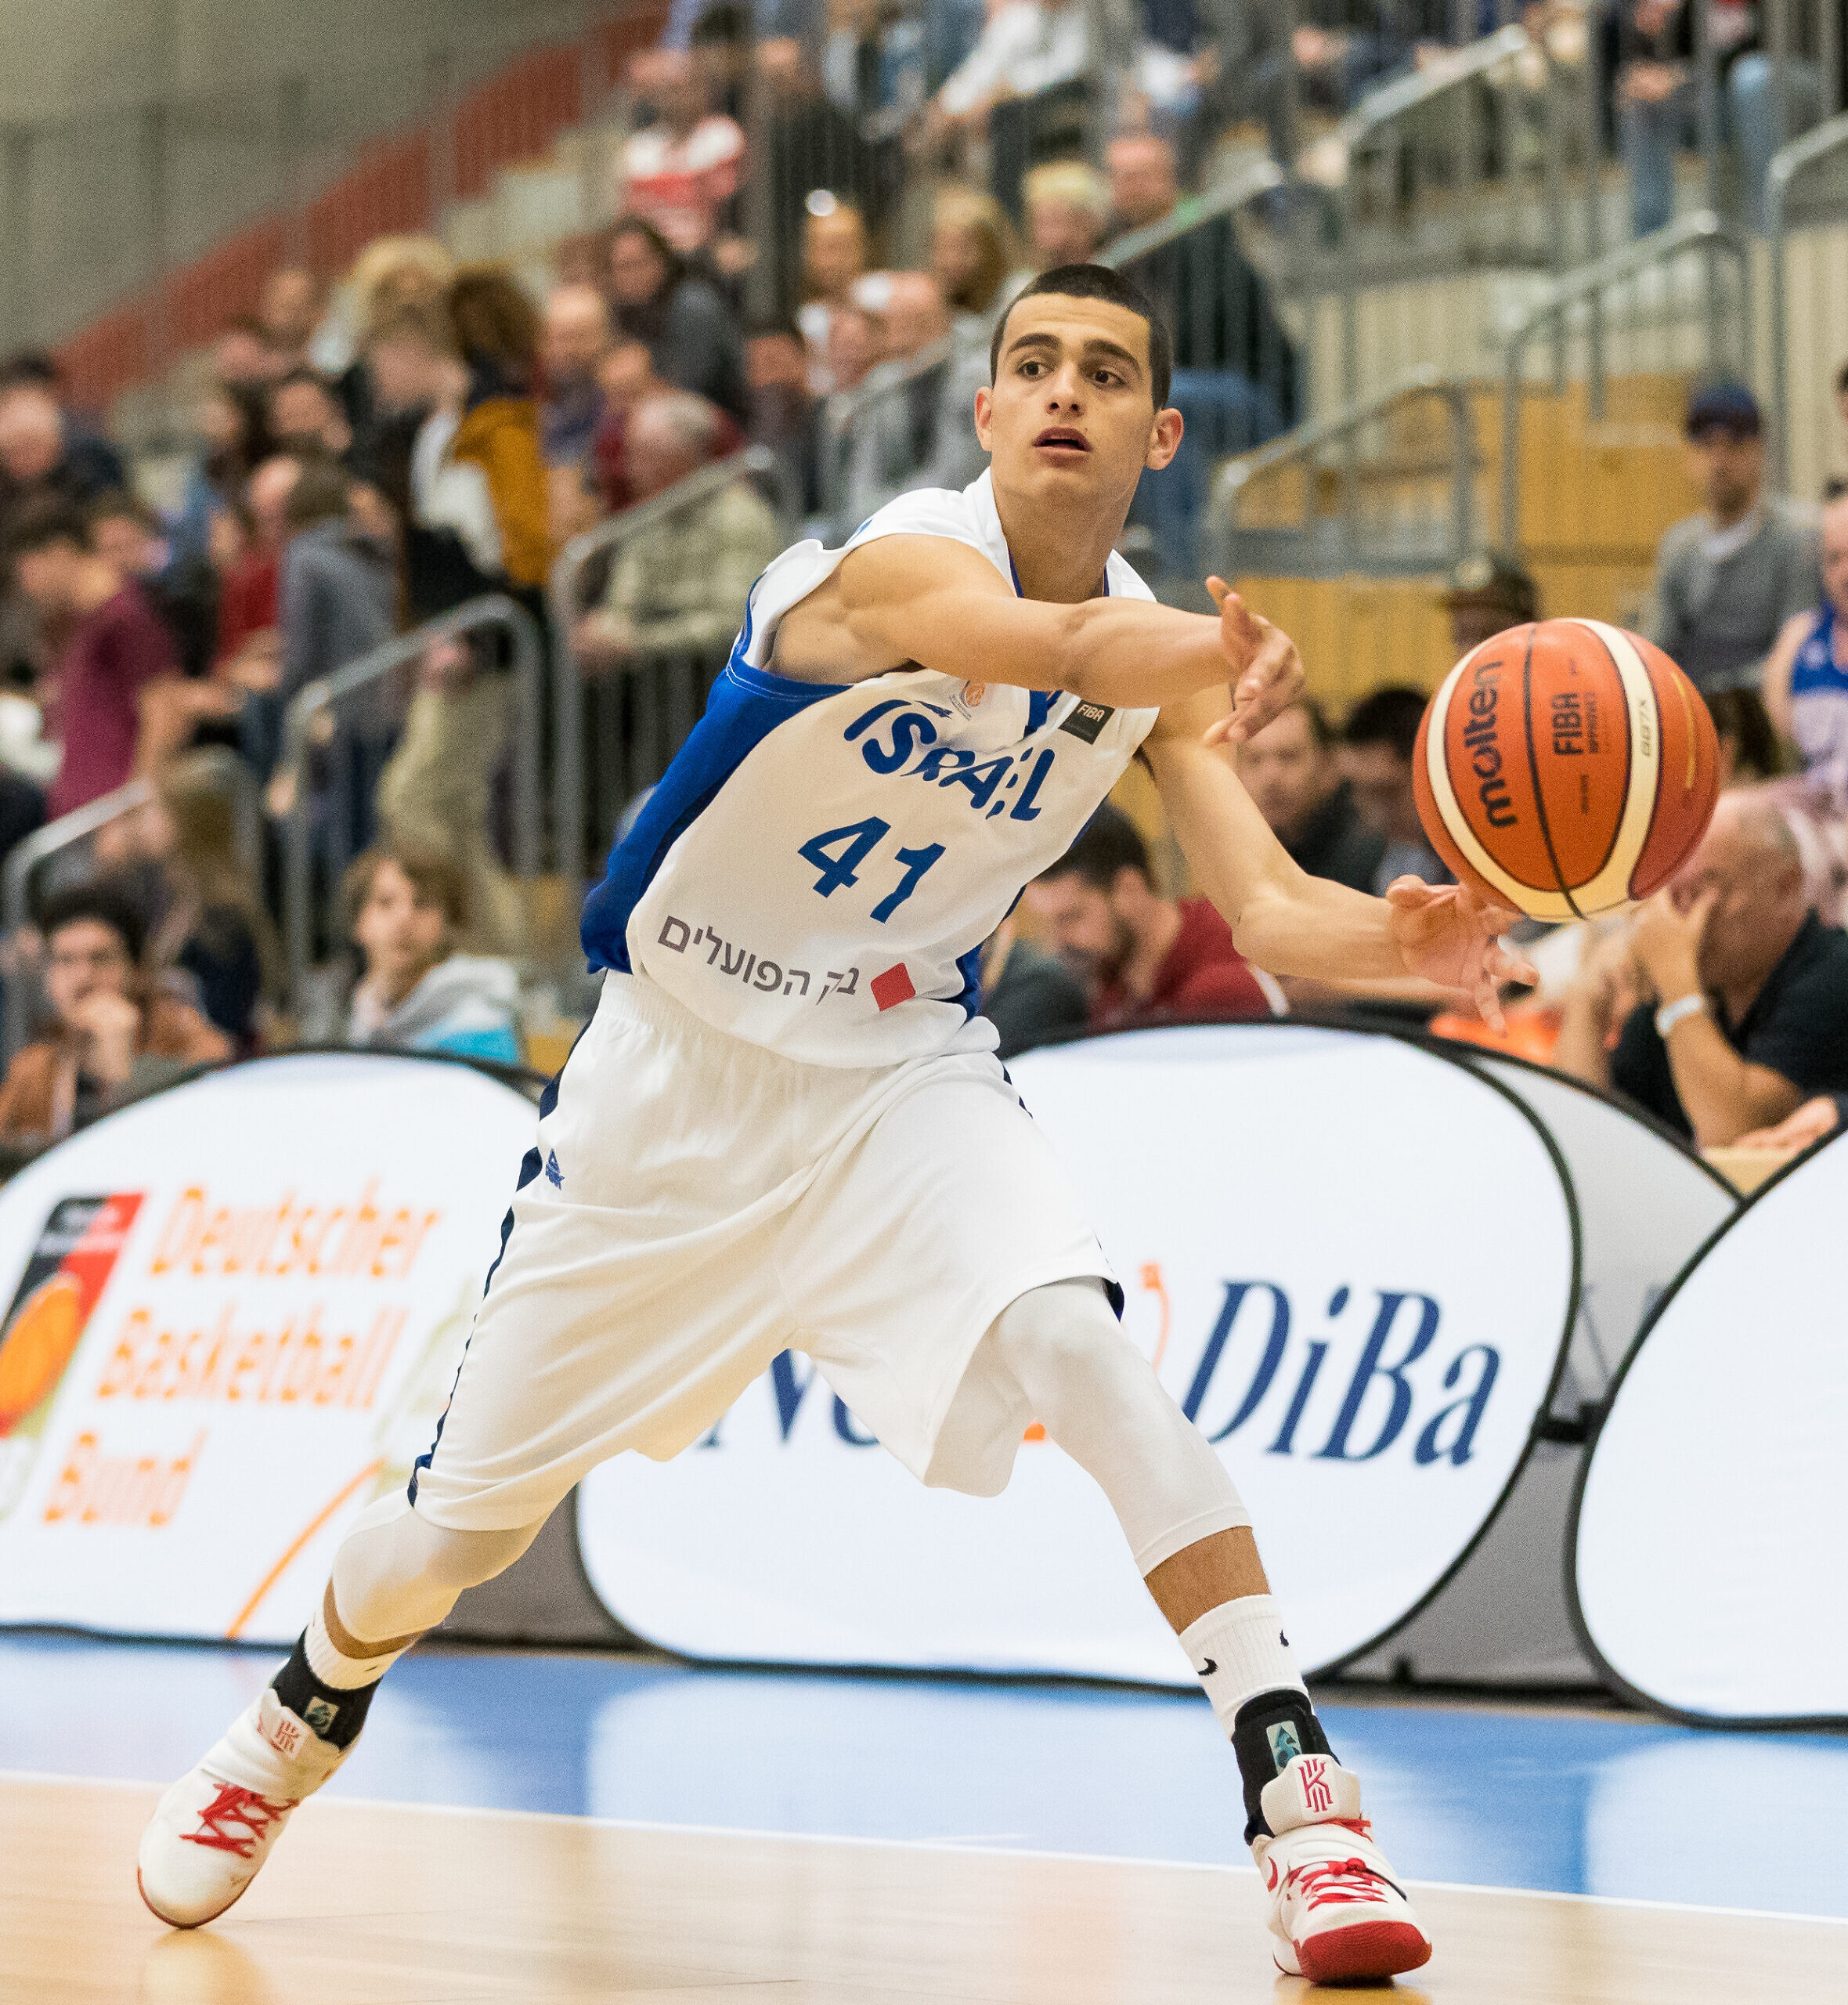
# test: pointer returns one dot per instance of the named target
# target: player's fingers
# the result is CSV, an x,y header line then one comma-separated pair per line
x,y
1221,591
1220,731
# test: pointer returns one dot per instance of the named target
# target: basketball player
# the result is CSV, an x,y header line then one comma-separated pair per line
x,y
786,1127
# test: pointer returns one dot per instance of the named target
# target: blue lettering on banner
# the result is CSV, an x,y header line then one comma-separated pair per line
x,y
1335,1449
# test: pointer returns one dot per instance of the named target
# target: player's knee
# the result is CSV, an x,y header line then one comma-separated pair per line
x,y
456,1560
1063,1338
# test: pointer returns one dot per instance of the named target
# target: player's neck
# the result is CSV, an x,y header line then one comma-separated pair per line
x,y
1059,554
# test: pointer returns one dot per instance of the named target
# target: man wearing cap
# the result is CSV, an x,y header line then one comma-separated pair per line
x,y
1485,594
1727,580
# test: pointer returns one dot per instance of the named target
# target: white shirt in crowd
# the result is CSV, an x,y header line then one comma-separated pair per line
x,y
453,494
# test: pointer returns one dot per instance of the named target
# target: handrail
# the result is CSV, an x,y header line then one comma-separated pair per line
x,y
1586,283
1445,73
841,414
327,692
81,823
1255,176
1304,443
1786,163
567,719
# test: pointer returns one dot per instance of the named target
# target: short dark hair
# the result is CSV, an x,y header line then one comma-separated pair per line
x,y
1098,282
105,905
31,365
1842,380
1390,715
44,522
322,493
117,505
1740,715
1320,729
1110,842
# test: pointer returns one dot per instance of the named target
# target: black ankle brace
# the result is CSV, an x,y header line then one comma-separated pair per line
x,y
332,1715
1268,1733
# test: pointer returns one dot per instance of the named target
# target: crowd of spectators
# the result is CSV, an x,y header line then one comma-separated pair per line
x,y
810,253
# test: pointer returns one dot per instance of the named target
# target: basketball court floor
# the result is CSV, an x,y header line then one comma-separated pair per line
x,y
531,1826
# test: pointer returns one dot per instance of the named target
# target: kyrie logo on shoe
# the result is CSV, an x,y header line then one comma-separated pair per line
x,y
554,1176
1317,1796
893,986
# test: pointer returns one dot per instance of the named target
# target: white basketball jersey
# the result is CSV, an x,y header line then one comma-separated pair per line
x,y
819,866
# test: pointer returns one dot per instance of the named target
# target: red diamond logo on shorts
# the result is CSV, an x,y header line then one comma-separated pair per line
x,y
892,987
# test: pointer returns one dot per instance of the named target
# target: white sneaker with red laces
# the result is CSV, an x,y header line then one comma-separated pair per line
x,y
213,1829
1336,1911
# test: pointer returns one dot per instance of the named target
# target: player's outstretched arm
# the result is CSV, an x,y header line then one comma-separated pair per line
x,y
940,604
1291,923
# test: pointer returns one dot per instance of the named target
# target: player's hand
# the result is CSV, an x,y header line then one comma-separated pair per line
x,y
1447,934
1267,671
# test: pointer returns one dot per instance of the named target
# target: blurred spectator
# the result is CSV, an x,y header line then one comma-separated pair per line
x,y
681,586
975,258
689,330
1747,737
416,992
1806,679
112,1036
290,311
1726,1004
234,440
625,377
1658,96
833,257
903,423
1067,207
577,339
338,599
1144,955
1290,770
681,173
1027,47
1144,189
392,276
43,457
808,144
1378,742
118,651
1029,996
1486,594
177,861
496,331
245,356
249,649
784,415
720,45
1727,580
304,413
129,534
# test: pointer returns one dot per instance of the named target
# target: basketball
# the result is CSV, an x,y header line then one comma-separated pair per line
x,y
1565,768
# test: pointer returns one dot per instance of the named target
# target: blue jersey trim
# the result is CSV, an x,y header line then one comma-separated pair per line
x,y
1815,668
746,705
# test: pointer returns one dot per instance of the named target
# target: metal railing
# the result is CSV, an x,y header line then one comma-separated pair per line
x,y
1387,537
1461,126
79,825
846,415
1579,303
680,707
324,697
1790,165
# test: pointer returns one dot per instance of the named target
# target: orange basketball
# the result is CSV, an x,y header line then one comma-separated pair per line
x,y
1565,768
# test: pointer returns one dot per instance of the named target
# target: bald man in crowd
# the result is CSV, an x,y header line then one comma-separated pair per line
x,y
1725,1005
575,338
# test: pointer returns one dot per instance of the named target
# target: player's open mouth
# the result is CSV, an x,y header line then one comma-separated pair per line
x,y
1060,437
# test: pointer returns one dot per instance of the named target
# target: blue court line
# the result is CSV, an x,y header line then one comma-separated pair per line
x,y
1551,1801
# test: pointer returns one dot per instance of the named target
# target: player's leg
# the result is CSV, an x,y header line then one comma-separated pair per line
x,y
1336,1910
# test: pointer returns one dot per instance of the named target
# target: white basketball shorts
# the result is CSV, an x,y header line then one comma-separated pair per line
x,y
696,1204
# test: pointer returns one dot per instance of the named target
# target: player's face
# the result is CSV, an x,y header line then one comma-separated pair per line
x,y
1083,922
1072,415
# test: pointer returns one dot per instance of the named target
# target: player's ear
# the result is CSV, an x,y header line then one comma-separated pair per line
x,y
1164,440
985,417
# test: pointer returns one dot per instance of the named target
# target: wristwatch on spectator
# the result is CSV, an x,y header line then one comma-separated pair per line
x,y
1671,1013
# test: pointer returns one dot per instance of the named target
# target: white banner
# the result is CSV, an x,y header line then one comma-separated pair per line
x,y
234,1312
1352,1261
1646,1204
1711,1527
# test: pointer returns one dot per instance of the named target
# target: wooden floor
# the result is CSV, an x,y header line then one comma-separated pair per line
x,y
387,1904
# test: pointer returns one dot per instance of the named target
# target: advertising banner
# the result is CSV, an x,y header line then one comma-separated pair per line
x,y
1352,1261
1708,1544
1646,1206
234,1313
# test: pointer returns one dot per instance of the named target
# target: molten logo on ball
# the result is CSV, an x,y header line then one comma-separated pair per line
x,y
1565,768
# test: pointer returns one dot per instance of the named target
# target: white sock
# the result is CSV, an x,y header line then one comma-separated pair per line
x,y
344,1674
1238,1650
